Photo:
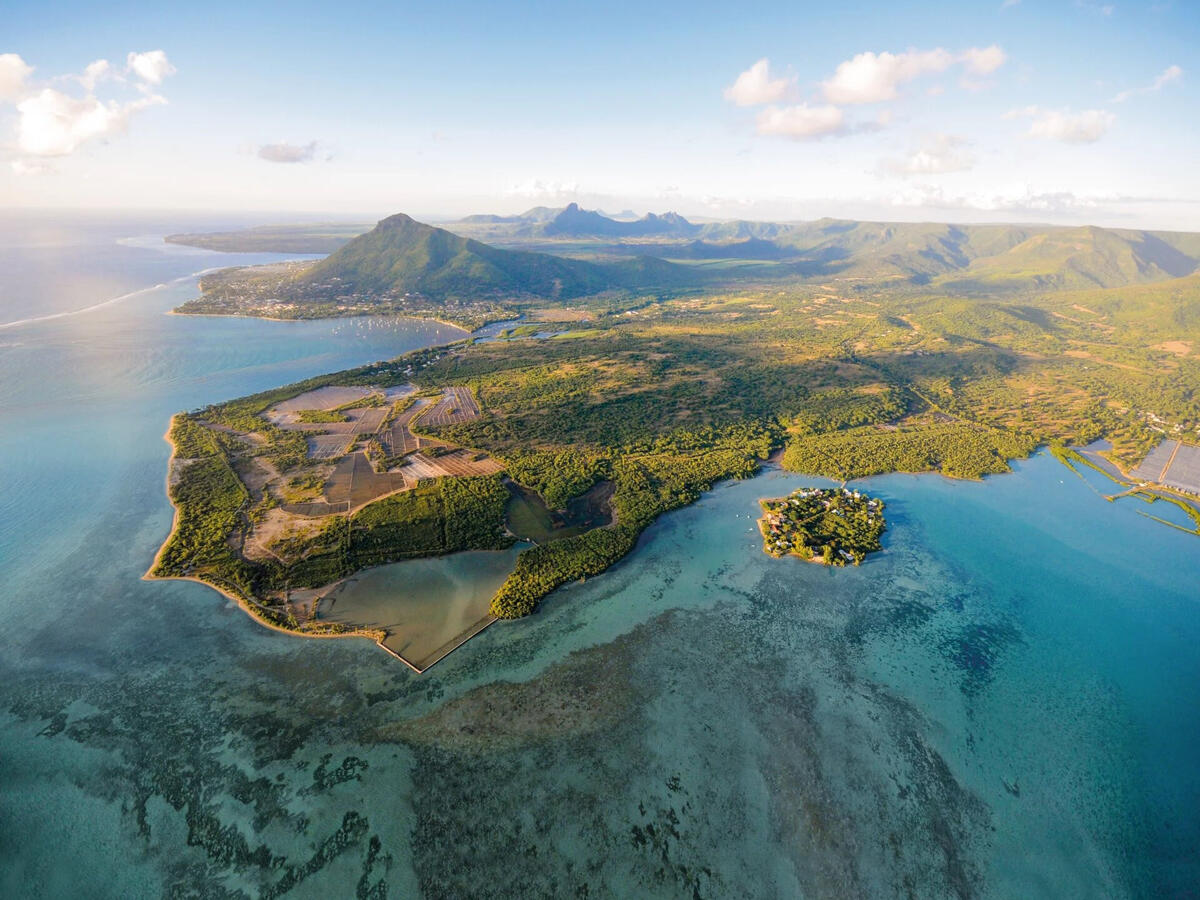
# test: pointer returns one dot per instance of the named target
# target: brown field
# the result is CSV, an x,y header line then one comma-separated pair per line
x,y
355,482
458,462
315,509
1179,348
1174,464
322,398
456,405
358,421
399,439
328,446
352,482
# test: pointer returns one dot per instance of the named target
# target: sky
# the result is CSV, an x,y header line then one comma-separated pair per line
x,y
1064,111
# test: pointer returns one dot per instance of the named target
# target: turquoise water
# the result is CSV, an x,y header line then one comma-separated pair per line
x,y
1001,704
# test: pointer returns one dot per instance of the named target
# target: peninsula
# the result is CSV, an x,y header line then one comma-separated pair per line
x,y
649,361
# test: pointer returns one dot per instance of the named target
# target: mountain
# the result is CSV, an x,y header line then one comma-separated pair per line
x,y
402,256
750,248
576,222
536,216
992,258
742,230
1078,258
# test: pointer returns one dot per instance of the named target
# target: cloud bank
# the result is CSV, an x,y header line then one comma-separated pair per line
x,y
54,123
866,78
937,155
801,121
284,152
755,87
1084,127
877,77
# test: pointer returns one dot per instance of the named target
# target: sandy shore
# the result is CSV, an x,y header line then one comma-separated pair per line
x,y
251,609
467,332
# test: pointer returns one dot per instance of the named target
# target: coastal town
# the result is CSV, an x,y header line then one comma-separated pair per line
x,y
831,526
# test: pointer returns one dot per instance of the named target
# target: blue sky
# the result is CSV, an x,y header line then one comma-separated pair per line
x,y
1050,110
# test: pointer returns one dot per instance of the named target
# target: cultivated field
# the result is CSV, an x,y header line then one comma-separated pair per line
x,y
328,446
399,439
1173,464
325,398
456,405
457,462
310,492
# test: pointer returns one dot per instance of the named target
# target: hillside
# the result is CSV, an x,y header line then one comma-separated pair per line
x,y
403,256
406,267
1077,258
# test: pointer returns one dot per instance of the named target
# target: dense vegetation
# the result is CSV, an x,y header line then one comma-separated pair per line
x,y
960,451
208,498
651,479
833,526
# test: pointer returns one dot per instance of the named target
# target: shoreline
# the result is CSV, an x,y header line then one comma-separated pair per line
x,y
245,605
773,462
466,332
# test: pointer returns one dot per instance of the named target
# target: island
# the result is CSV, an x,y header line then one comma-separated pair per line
x,y
616,370
831,526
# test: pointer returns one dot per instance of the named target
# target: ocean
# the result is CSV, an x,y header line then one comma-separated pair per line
x,y
1001,704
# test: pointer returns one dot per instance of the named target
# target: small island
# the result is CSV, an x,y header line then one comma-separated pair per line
x,y
831,526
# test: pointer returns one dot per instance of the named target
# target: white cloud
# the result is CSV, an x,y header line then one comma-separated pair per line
x,y
14,72
94,73
937,155
537,189
801,121
1084,127
756,87
32,167
52,123
871,78
876,77
1021,200
284,152
1168,75
1008,4
151,66
983,60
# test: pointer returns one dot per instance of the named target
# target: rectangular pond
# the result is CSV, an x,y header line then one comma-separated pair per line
x,y
427,606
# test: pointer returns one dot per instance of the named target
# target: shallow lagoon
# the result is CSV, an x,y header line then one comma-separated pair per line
x,y
424,604
1002,703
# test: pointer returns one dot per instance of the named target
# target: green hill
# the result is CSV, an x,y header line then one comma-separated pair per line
x,y
1077,258
402,256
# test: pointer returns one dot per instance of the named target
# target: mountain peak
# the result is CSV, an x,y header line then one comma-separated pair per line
x,y
398,220
576,221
